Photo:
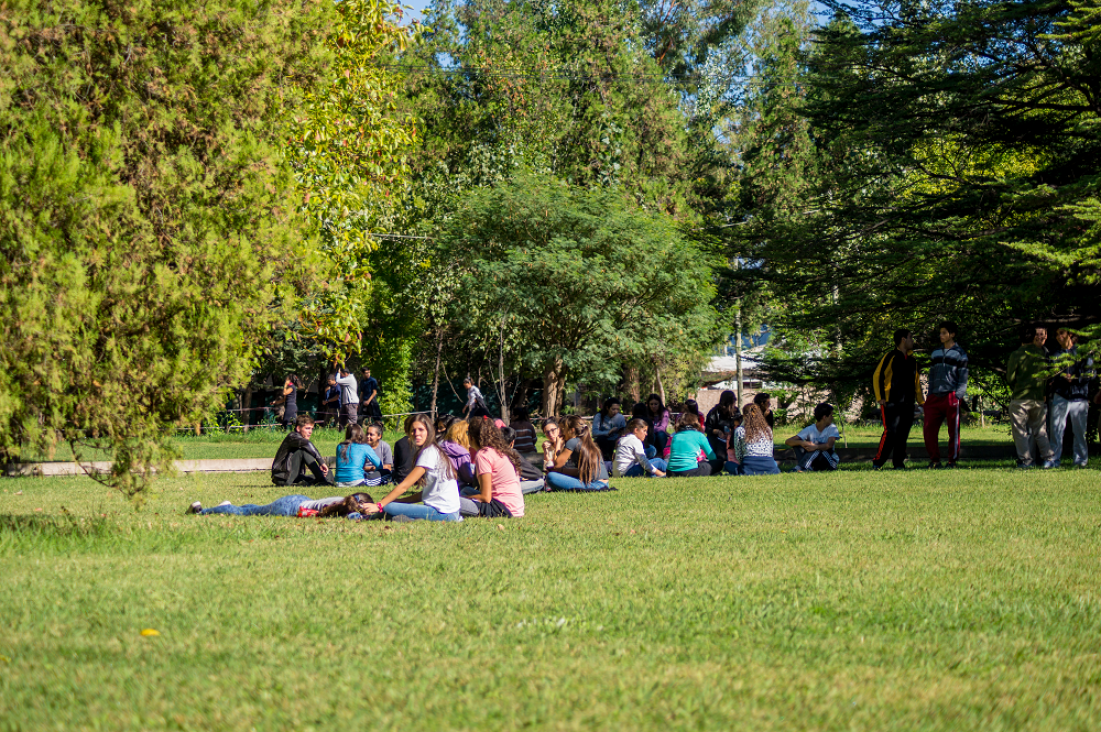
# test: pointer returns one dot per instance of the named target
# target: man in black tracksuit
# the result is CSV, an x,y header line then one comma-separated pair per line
x,y
897,387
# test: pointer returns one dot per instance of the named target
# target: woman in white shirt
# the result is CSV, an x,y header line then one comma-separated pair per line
x,y
432,471
630,454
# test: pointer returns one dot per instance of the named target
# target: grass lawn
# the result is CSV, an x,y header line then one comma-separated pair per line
x,y
954,600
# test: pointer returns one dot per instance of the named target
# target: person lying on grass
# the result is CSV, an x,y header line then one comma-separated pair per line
x,y
296,505
498,468
356,461
579,466
690,453
630,454
432,472
814,444
296,455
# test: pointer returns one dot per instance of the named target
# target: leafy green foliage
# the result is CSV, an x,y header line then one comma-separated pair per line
x,y
142,214
578,280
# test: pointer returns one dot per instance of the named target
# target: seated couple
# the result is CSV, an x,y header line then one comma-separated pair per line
x,y
572,460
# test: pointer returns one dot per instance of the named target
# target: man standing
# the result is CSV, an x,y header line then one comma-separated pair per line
x,y
947,390
369,397
1070,397
296,454
897,391
349,400
1027,375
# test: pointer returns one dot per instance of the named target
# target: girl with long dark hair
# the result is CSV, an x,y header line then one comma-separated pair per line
x,y
432,473
579,466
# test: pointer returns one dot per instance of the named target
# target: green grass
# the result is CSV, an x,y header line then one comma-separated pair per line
x,y
825,602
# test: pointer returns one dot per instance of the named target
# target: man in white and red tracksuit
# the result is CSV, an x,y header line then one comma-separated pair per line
x,y
947,390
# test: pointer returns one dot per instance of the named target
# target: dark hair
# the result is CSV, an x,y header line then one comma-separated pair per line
x,y
589,457
430,443
950,326
727,403
755,424
688,421
763,399
824,409
354,503
485,434
302,420
608,403
352,435
900,334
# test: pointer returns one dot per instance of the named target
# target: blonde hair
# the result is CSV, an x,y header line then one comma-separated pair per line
x,y
459,433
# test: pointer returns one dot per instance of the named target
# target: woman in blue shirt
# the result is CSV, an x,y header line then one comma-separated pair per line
x,y
355,459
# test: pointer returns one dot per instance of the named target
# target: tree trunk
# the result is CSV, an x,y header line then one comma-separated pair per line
x,y
436,373
552,388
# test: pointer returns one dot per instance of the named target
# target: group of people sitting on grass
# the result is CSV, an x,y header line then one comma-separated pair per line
x,y
450,469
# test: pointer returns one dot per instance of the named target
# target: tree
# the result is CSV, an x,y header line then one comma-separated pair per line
x,y
143,214
582,279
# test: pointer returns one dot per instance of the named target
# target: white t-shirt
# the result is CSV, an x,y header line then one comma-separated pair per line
x,y
810,433
440,492
320,503
628,451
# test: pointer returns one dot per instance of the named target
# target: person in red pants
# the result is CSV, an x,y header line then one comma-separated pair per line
x,y
947,391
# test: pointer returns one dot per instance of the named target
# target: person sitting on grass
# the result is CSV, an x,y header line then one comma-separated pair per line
x,y
759,449
432,473
380,446
814,444
498,468
579,465
356,461
456,445
608,426
630,454
690,453
296,455
735,444
297,505
531,477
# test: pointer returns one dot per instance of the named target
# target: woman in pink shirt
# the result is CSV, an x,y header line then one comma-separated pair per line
x,y
497,467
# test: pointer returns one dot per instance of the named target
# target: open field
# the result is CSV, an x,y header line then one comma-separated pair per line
x,y
920,601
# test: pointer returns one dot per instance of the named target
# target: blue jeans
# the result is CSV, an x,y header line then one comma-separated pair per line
x,y
756,465
285,506
419,511
563,482
637,470
1078,412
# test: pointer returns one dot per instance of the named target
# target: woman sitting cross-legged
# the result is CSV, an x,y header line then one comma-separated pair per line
x,y
357,463
498,468
758,458
690,453
295,505
435,476
630,454
579,466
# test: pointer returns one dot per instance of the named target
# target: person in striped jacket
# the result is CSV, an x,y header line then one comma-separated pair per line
x,y
897,388
947,391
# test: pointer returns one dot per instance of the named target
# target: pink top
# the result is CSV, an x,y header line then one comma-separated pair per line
x,y
506,483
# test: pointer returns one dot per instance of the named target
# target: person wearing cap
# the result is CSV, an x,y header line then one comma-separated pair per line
x,y
1070,397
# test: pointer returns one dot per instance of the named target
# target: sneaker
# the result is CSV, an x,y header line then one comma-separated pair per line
x,y
934,465
195,507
